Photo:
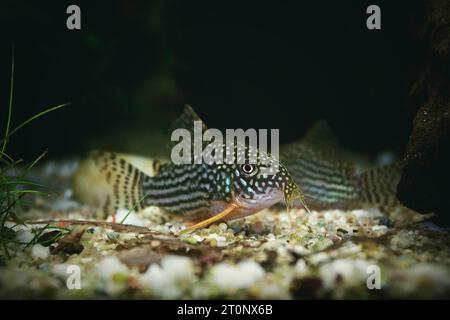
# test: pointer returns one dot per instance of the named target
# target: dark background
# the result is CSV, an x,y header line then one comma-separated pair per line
x,y
134,64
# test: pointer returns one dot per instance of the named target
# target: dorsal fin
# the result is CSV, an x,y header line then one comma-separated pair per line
x,y
321,137
186,120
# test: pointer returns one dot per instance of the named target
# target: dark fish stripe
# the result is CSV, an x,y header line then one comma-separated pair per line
x,y
171,180
187,206
134,184
313,168
173,201
309,169
328,188
315,164
333,192
169,192
334,184
324,180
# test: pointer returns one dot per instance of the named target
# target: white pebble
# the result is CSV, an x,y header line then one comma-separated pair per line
x,y
39,251
110,266
352,272
171,278
233,277
132,218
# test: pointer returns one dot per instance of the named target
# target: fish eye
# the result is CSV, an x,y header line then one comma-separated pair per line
x,y
248,168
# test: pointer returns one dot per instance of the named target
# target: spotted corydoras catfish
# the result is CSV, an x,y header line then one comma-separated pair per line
x,y
197,191
330,182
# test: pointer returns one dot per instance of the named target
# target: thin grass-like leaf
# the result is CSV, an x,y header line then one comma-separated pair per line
x,y
43,154
21,191
3,154
38,115
25,182
36,236
12,178
134,207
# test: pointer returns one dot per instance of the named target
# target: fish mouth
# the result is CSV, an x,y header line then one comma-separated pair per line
x,y
259,202
245,207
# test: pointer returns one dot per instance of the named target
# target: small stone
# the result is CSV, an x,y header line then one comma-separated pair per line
x,y
223,226
112,235
39,251
257,227
214,228
155,243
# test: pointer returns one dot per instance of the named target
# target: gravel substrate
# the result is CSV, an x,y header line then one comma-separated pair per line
x,y
272,254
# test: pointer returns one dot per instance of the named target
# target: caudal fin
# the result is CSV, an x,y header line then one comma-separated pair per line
x,y
108,181
378,186
377,189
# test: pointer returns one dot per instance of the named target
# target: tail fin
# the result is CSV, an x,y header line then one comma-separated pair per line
x,y
378,186
109,182
377,189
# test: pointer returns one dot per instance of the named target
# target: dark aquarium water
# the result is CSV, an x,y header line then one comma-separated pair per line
x,y
218,150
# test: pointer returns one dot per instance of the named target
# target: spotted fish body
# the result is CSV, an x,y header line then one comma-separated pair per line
x,y
203,190
330,183
196,191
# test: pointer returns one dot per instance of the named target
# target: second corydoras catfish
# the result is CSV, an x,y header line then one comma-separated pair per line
x,y
212,192
330,180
